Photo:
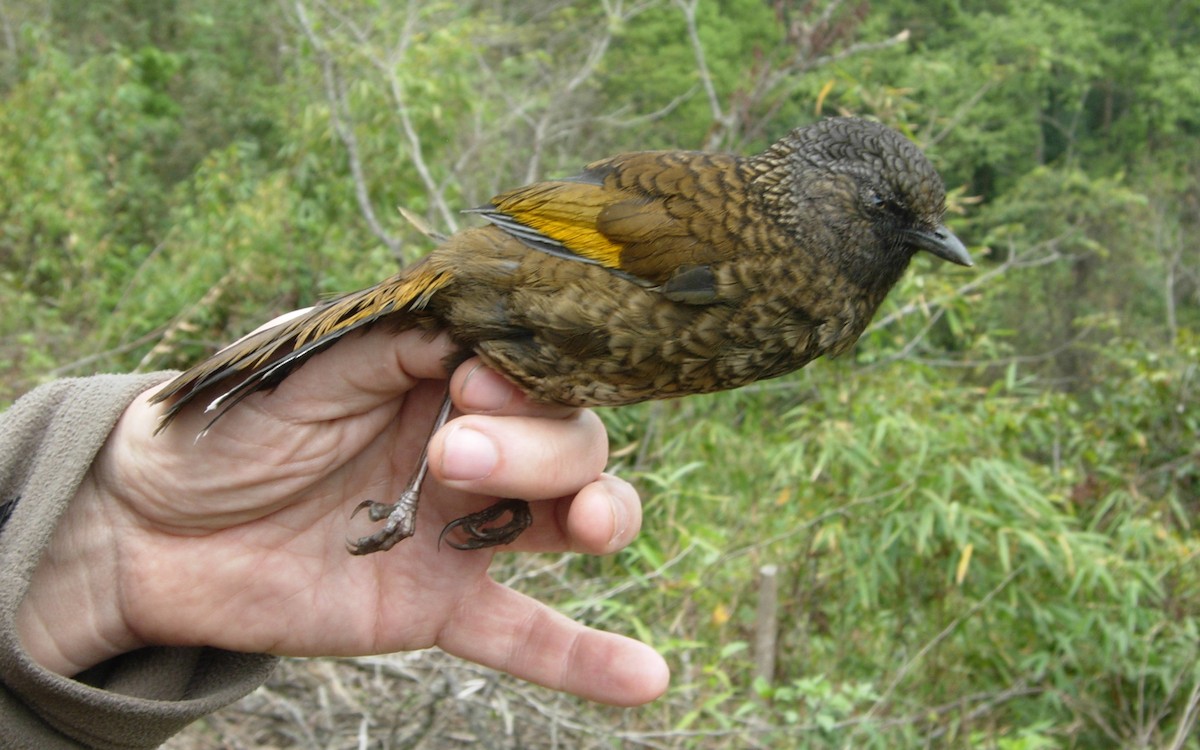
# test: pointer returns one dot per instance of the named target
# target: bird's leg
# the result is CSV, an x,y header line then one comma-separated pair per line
x,y
402,515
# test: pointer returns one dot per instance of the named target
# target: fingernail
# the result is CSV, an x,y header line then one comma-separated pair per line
x,y
484,391
620,519
468,454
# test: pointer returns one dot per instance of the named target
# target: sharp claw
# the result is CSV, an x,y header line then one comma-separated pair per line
x,y
361,546
381,541
480,535
401,523
402,515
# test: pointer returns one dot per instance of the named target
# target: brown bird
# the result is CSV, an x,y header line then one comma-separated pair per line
x,y
649,275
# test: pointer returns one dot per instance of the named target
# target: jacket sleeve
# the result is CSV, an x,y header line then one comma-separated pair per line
x,y
48,440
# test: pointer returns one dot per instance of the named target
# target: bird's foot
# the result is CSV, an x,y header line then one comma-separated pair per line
x,y
480,535
401,523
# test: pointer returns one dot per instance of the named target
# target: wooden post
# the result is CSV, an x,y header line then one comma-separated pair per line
x,y
766,628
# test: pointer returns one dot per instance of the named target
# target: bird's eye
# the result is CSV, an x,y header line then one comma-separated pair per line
x,y
875,199
881,202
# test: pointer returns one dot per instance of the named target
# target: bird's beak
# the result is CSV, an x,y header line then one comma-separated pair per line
x,y
942,243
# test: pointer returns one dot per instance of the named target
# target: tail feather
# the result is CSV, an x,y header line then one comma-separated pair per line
x,y
264,359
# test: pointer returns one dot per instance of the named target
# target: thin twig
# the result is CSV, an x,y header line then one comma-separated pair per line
x,y
339,115
125,347
858,49
688,8
937,640
387,67
1188,721
960,113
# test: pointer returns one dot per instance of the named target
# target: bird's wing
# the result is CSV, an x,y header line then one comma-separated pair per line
x,y
263,359
649,216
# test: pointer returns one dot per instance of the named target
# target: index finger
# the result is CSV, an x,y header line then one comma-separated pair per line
x,y
475,388
509,631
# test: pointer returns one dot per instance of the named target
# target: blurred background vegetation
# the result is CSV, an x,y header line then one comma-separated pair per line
x,y
983,520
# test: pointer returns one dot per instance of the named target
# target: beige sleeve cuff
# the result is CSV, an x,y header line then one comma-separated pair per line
x,y
48,440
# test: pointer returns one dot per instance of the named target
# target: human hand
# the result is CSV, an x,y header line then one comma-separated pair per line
x,y
235,539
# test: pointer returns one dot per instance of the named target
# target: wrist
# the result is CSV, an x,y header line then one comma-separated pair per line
x,y
70,618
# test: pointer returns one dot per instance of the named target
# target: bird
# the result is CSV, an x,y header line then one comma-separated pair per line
x,y
648,275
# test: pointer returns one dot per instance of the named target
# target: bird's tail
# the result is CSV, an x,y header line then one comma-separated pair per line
x,y
263,359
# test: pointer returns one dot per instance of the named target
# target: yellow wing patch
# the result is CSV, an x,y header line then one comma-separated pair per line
x,y
567,213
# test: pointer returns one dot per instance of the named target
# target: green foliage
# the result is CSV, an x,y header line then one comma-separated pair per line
x,y
981,535
984,519
731,32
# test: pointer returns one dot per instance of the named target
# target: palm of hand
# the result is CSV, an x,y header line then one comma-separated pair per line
x,y
239,530
270,500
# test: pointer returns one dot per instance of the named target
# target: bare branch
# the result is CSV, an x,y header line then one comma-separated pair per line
x,y
10,37
179,324
122,348
936,641
618,120
436,193
1015,359
586,70
1027,259
858,49
827,14
722,121
911,344
387,66
960,112
339,114
744,115
1188,721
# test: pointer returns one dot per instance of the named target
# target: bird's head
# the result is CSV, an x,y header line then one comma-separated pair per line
x,y
868,191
